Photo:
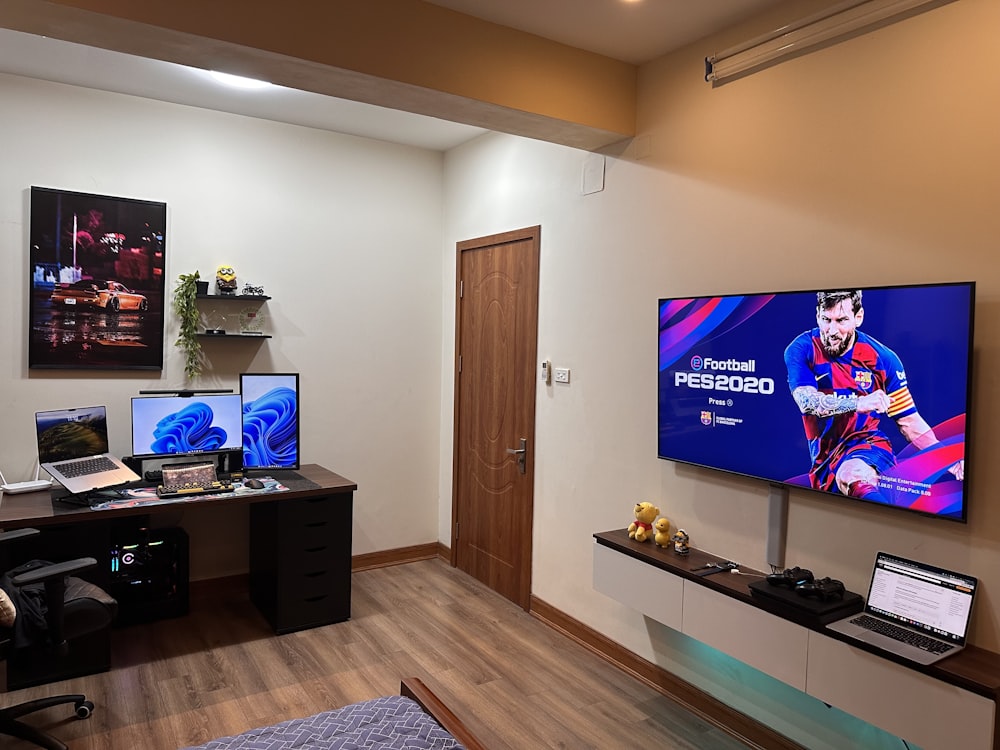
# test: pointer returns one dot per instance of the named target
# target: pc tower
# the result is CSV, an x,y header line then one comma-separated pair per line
x,y
149,574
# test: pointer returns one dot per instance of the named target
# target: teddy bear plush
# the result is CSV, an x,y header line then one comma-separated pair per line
x,y
662,532
640,528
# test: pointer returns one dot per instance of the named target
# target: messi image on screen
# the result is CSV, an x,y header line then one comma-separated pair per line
x,y
842,379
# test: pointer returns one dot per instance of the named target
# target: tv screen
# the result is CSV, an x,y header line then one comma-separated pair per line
x,y
176,425
270,420
857,393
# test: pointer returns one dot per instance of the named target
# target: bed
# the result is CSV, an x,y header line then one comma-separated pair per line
x,y
416,718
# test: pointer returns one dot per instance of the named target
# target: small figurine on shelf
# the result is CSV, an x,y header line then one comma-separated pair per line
x,y
249,290
662,536
225,280
681,540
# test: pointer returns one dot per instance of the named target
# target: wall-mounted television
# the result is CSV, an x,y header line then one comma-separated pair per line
x,y
178,425
860,393
270,420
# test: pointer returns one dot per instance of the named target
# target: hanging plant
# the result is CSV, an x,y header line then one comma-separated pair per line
x,y
185,306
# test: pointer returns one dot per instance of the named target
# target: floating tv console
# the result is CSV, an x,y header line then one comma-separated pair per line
x,y
948,705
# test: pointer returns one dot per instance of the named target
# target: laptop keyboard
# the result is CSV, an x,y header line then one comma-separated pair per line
x,y
902,634
86,467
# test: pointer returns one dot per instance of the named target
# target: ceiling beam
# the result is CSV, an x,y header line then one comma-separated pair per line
x,y
403,54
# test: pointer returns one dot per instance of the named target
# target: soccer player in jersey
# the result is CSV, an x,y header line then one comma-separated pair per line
x,y
842,379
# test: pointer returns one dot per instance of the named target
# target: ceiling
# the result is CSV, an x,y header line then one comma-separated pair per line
x,y
634,31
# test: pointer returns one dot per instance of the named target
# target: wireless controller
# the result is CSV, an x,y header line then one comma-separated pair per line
x,y
790,577
823,588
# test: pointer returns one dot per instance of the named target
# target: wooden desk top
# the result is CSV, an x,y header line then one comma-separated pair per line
x,y
973,668
39,509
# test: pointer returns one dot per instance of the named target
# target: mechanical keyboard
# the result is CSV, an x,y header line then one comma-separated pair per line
x,y
187,490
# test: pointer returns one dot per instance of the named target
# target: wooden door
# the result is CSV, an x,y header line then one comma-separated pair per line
x,y
496,348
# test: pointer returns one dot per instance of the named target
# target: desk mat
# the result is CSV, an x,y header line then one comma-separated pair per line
x,y
293,480
139,497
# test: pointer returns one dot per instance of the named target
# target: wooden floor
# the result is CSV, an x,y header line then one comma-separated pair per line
x,y
516,682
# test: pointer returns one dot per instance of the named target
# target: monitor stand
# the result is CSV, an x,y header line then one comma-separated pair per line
x,y
228,463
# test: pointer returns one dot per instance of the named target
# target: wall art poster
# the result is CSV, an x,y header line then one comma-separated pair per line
x,y
96,281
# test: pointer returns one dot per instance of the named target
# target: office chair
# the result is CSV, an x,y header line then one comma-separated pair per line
x,y
72,608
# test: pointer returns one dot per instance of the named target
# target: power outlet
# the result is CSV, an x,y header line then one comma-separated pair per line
x,y
561,374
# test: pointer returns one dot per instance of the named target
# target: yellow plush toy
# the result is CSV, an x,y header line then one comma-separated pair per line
x,y
645,514
662,536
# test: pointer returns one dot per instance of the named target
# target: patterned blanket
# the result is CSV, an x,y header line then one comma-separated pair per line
x,y
390,723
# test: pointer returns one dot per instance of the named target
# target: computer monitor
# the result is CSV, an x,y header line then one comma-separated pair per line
x,y
270,420
180,425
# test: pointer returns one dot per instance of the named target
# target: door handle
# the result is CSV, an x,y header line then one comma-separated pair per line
x,y
522,455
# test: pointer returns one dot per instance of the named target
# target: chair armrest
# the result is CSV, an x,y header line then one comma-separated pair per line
x,y
16,534
55,570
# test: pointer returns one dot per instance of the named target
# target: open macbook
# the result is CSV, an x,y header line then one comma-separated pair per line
x,y
73,448
920,612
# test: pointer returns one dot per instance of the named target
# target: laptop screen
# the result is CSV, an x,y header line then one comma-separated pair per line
x,y
934,600
65,434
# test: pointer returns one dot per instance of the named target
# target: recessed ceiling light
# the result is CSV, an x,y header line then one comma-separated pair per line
x,y
239,81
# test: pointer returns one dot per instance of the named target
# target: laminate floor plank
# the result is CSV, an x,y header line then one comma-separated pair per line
x,y
517,683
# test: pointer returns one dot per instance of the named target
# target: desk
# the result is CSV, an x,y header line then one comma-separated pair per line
x,y
300,541
905,699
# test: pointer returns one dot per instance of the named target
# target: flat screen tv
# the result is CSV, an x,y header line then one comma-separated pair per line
x,y
178,425
859,393
270,420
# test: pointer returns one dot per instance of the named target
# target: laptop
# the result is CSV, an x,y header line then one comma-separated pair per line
x,y
917,611
73,449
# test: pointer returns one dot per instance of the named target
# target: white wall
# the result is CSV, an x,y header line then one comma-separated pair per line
x,y
343,233
870,162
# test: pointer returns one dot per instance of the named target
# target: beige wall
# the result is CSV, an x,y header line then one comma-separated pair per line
x,y
871,162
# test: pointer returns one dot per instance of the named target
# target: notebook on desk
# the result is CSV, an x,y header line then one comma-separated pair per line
x,y
917,611
73,448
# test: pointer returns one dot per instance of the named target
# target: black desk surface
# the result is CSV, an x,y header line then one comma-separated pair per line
x,y
973,668
39,509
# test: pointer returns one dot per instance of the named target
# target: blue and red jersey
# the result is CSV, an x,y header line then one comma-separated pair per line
x,y
866,367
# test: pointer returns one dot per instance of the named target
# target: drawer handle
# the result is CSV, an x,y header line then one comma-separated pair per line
x,y
315,524
315,573
315,549
315,598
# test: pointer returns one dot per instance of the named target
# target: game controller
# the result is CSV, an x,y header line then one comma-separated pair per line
x,y
823,588
790,577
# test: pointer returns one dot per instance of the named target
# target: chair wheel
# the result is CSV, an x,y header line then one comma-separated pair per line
x,y
84,709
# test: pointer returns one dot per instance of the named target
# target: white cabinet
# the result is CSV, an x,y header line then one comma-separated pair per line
x,y
638,585
771,644
907,703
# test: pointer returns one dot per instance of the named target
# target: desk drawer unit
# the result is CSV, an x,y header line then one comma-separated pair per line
x,y
300,561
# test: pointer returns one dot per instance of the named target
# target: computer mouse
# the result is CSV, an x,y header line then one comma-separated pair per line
x,y
254,484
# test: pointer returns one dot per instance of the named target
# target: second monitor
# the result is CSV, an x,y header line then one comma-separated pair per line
x,y
270,420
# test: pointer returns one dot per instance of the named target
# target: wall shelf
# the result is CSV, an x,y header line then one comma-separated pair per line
x,y
241,297
233,335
